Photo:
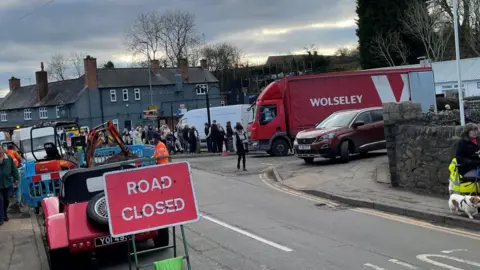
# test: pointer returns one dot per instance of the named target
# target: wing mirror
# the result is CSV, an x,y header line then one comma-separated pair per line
x,y
358,124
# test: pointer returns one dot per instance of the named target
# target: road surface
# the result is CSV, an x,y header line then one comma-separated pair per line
x,y
249,222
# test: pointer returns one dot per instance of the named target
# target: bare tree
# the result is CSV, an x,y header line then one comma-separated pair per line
x,y
429,25
342,52
77,63
57,67
222,56
383,48
177,32
194,51
145,35
473,35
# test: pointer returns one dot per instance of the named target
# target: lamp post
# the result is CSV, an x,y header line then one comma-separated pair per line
x,y
149,76
457,56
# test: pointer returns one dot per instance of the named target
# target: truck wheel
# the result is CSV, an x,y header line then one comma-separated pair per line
x,y
59,259
308,160
97,212
345,152
162,239
280,148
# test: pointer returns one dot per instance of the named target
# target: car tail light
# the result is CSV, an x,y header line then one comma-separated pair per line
x,y
80,245
74,245
89,244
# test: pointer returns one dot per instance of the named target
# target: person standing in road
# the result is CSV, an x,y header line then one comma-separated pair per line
x,y
208,137
240,144
214,135
8,176
229,136
161,152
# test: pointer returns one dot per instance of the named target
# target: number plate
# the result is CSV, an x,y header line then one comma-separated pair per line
x,y
304,147
108,240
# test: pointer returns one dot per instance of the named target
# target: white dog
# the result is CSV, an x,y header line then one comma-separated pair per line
x,y
467,204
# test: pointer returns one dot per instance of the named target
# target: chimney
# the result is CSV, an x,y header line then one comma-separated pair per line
x,y
14,83
183,64
155,66
42,83
203,63
90,65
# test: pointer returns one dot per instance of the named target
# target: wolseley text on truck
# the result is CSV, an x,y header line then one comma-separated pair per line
x,y
297,103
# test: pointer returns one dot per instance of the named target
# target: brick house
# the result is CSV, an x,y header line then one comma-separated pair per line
x,y
118,94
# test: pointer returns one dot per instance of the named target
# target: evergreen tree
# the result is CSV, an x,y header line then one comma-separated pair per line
x,y
380,18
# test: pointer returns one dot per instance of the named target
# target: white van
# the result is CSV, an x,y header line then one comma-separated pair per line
x,y
21,137
222,114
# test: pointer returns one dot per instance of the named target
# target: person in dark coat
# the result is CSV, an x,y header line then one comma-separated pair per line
x,y
229,135
240,145
468,149
208,137
214,135
192,138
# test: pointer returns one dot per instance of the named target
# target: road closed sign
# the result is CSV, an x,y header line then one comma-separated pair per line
x,y
150,198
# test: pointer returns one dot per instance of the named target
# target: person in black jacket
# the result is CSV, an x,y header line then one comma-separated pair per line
x,y
240,144
468,150
229,131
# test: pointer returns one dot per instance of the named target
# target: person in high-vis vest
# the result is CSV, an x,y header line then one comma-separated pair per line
x,y
466,160
17,159
161,151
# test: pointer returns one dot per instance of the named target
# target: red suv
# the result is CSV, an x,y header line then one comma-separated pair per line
x,y
341,134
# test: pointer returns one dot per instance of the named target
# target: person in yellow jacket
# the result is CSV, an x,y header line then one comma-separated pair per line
x,y
161,151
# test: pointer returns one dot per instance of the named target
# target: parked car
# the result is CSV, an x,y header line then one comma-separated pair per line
x,y
76,222
341,134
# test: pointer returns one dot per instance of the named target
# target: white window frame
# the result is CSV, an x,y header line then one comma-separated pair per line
x,y
113,95
57,111
204,92
3,116
125,94
115,122
27,114
136,92
43,112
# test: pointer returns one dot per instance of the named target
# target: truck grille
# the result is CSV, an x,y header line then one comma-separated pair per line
x,y
305,141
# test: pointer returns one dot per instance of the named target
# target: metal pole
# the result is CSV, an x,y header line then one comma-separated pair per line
x,y
150,80
208,107
457,54
171,112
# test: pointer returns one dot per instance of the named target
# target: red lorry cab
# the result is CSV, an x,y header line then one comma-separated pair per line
x,y
296,103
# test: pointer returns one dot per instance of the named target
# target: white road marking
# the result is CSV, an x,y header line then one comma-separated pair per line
x,y
373,266
425,258
302,195
404,264
243,232
453,250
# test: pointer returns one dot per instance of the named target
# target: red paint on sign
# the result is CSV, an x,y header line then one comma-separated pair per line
x,y
396,82
150,198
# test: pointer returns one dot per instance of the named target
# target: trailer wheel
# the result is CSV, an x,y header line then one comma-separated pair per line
x,y
308,160
162,239
345,152
280,148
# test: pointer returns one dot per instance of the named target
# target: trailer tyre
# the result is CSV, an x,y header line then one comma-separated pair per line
x,y
345,152
308,160
162,239
97,212
280,148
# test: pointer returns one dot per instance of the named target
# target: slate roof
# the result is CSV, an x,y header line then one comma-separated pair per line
x,y
68,91
61,92
130,77
446,71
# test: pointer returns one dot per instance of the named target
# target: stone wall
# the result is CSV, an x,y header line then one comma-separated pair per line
x,y
420,146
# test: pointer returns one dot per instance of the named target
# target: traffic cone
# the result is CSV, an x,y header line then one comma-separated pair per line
x,y
224,150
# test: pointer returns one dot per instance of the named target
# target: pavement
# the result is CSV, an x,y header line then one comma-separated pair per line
x,y
365,182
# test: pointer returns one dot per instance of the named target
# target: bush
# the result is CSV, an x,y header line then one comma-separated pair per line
x,y
442,101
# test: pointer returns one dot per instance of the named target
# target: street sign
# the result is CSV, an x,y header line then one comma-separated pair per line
x,y
150,198
182,106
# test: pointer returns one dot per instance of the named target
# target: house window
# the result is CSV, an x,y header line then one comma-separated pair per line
x,y
137,93
115,122
3,116
201,89
125,94
27,114
43,113
58,111
113,95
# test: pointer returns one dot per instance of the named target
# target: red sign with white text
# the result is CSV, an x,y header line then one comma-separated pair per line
x,y
150,198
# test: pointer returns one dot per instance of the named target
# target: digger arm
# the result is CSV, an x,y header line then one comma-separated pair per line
x,y
93,139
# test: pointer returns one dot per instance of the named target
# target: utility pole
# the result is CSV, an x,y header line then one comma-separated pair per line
x,y
457,54
149,77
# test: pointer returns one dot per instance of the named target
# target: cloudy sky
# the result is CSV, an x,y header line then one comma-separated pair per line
x,y
31,31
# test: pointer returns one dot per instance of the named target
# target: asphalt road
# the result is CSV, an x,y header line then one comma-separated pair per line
x,y
250,223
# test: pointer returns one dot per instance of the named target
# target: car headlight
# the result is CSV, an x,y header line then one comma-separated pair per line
x,y
328,136
295,142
